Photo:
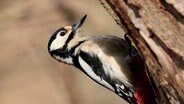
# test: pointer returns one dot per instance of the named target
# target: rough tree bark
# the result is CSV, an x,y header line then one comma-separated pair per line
x,y
157,29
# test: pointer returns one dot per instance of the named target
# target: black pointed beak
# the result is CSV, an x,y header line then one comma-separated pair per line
x,y
77,25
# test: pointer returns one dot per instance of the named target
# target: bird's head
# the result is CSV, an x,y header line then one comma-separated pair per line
x,y
58,43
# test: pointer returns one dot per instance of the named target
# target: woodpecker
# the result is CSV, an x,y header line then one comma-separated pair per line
x,y
108,60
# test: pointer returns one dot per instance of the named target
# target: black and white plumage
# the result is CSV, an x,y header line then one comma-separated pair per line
x,y
108,60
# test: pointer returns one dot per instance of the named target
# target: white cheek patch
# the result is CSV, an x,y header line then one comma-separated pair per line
x,y
91,73
59,41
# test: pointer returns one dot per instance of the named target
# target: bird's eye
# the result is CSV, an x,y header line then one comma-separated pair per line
x,y
62,33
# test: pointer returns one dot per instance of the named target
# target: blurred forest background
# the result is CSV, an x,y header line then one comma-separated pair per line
x,y
28,75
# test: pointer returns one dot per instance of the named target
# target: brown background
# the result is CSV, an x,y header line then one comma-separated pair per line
x,y
28,75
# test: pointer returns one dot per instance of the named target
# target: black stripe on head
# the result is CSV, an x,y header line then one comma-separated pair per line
x,y
64,53
60,52
70,37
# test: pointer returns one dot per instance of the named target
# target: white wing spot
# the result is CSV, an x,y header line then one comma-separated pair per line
x,y
122,87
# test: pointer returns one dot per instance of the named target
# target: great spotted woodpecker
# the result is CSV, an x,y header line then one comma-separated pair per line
x,y
108,60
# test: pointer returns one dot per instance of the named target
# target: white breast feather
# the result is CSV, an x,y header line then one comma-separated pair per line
x,y
91,73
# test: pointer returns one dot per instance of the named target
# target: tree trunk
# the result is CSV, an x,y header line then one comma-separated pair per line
x,y
157,29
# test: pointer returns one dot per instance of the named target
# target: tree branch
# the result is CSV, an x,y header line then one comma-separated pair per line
x,y
157,29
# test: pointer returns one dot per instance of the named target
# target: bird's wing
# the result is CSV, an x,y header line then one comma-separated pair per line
x,y
93,68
